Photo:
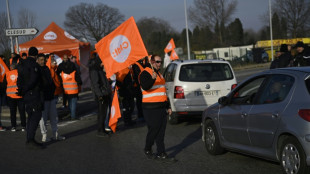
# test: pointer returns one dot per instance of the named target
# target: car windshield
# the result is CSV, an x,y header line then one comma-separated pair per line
x,y
205,72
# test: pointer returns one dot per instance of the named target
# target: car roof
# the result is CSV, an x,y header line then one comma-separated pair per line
x,y
199,61
304,69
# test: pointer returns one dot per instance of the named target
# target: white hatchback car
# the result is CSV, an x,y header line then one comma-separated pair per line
x,y
193,85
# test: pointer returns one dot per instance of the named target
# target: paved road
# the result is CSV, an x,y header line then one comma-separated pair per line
x,y
83,152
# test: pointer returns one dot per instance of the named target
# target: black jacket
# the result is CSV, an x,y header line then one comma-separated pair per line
x,y
126,88
303,58
99,82
29,83
47,83
284,59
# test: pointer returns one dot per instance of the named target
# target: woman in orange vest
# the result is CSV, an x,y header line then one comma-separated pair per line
x,y
155,107
15,100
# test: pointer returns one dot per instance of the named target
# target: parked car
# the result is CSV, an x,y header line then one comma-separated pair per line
x,y
267,116
192,85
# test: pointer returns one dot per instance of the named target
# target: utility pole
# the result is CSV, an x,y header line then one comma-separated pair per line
x,y
9,22
271,39
187,38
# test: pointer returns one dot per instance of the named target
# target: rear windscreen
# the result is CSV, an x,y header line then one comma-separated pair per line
x,y
205,72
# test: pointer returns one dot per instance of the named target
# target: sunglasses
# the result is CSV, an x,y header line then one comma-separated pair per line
x,y
157,61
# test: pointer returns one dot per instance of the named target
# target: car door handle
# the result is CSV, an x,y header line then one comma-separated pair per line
x,y
243,115
275,115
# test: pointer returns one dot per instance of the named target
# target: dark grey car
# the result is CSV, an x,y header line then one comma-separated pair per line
x,y
268,116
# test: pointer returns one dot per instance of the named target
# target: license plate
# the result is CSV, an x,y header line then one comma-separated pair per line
x,y
207,93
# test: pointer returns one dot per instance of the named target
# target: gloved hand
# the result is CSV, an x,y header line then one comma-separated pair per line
x,y
100,98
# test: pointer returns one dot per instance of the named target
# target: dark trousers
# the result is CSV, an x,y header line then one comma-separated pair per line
x,y
156,121
102,113
14,103
128,107
138,96
34,117
64,99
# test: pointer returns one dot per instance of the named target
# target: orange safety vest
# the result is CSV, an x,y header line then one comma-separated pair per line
x,y
57,82
11,89
158,91
69,84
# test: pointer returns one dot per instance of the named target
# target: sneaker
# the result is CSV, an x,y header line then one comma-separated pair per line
x,y
13,129
23,129
45,139
149,154
58,137
2,129
163,157
107,129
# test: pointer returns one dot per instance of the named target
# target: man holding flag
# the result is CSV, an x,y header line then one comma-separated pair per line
x,y
118,50
102,91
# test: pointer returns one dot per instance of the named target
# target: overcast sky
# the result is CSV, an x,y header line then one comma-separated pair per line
x,y
248,11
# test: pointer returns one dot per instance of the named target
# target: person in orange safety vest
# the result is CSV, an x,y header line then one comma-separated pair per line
x,y
14,100
71,82
155,107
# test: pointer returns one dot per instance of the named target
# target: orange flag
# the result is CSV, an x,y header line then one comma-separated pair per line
x,y
170,46
3,70
115,113
121,48
48,62
174,55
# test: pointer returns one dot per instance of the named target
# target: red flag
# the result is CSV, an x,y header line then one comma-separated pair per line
x,y
3,70
170,46
174,55
115,113
121,48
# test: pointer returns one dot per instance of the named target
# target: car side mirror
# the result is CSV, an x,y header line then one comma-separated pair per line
x,y
223,100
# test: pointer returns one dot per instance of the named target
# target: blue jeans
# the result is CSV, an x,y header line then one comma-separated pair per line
x,y
72,105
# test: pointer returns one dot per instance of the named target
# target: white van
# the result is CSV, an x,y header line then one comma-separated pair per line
x,y
193,85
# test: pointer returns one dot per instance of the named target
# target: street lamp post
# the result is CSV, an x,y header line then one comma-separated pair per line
x,y
9,22
271,38
187,38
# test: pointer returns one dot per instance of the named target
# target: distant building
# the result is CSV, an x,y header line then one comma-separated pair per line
x,y
227,53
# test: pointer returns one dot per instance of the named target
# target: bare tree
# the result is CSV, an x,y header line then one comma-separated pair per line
x,y
92,22
26,19
4,40
297,15
149,25
212,13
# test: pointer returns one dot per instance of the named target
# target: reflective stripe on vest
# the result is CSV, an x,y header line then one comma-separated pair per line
x,y
69,84
11,89
158,91
155,87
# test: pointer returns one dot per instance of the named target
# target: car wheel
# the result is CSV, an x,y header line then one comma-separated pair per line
x,y
292,157
212,141
173,119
